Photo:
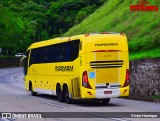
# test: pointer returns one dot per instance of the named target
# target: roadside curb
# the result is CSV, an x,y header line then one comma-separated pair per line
x,y
142,98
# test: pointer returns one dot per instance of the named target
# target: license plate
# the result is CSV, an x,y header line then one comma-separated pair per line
x,y
107,92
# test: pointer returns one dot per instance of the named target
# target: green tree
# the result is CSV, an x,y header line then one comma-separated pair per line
x,y
25,21
13,31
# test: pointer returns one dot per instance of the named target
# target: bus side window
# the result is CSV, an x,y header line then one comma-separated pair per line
x,y
68,51
31,58
51,56
57,53
75,49
34,58
62,53
44,55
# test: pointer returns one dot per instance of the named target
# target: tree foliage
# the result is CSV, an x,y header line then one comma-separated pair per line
x,y
15,32
23,22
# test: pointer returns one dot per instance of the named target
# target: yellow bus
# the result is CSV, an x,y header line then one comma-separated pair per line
x,y
89,66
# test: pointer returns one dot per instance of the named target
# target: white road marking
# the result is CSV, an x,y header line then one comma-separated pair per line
x,y
6,119
3,91
105,116
48,103
24,97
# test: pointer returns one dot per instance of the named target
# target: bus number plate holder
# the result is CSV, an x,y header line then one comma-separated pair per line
x,y
107,92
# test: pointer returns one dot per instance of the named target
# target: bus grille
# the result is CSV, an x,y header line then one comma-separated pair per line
x,y
107,64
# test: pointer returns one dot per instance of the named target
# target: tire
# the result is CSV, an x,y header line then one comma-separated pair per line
x,y
60,94
105,101
68,100
32,92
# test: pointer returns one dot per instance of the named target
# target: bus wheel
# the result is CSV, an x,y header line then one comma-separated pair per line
x,y
105,101
60,94
32,92
67,98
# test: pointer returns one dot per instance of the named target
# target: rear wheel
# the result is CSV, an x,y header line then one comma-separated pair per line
x,y
67,98
60,94
32,92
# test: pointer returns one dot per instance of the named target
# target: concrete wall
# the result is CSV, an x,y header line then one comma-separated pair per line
x,y
145,77
9,62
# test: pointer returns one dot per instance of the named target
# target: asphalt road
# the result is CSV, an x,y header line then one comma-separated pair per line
x,y
14,99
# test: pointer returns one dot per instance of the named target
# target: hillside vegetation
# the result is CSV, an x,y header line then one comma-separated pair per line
x,y
23,22
141,28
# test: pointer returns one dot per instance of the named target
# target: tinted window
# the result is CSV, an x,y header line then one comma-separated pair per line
x,y
62,52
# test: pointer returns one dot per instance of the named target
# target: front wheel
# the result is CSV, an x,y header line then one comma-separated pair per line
x,y
32,92
67,98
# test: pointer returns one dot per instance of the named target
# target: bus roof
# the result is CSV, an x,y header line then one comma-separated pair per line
x,y
65,39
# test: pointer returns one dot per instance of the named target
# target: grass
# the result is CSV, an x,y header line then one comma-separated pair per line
x,y
153,53
142,28
155,97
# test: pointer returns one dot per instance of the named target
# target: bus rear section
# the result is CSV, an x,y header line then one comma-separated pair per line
x,y
106,72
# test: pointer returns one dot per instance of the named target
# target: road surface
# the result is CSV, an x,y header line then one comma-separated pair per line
x,y
13,98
